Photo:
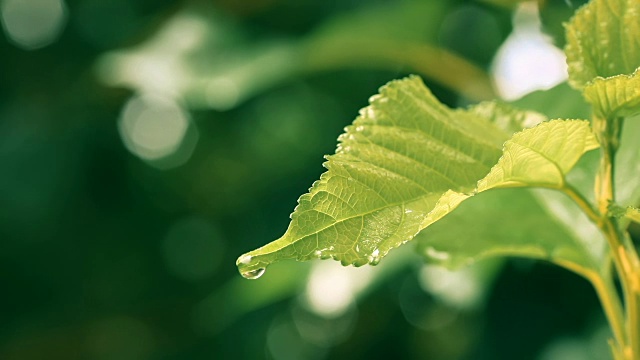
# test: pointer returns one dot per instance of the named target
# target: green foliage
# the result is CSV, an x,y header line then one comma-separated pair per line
x,y
603,41
603,54
615,96
408,162
240,100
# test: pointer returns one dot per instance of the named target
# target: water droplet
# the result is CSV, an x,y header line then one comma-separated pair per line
x,y
408,211
370,113
253,274
249,267
323,254
374,258
359,128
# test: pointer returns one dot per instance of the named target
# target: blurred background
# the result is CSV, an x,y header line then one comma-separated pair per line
x,y
145,145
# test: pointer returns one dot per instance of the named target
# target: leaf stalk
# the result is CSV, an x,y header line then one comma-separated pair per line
x,y
623,252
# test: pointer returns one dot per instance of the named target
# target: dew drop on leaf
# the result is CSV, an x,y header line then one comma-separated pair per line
x,y
253,274
248,267
374,258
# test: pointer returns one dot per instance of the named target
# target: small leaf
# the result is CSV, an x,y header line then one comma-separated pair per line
x,y
616,96
541,156
406,162
603,40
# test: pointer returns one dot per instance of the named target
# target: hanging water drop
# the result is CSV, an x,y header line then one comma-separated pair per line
x,y
253,274
249,267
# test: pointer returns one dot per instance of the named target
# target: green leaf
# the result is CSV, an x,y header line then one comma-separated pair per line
x,y
406,162
603,40
563,101
507,117
541,156
616,96
507,222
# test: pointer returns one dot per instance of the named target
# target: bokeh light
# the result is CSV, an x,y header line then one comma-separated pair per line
x,y
332,288
154,127
33,24
159,64
527,60
459,288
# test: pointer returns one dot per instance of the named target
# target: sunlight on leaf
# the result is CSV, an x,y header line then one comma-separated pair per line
x,y
603,40
407,161
616,95
390,169
541,156
506,117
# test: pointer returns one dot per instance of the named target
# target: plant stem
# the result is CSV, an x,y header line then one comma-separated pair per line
x,y
628,268
583,203
625,257
633,307
611,305
601,282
